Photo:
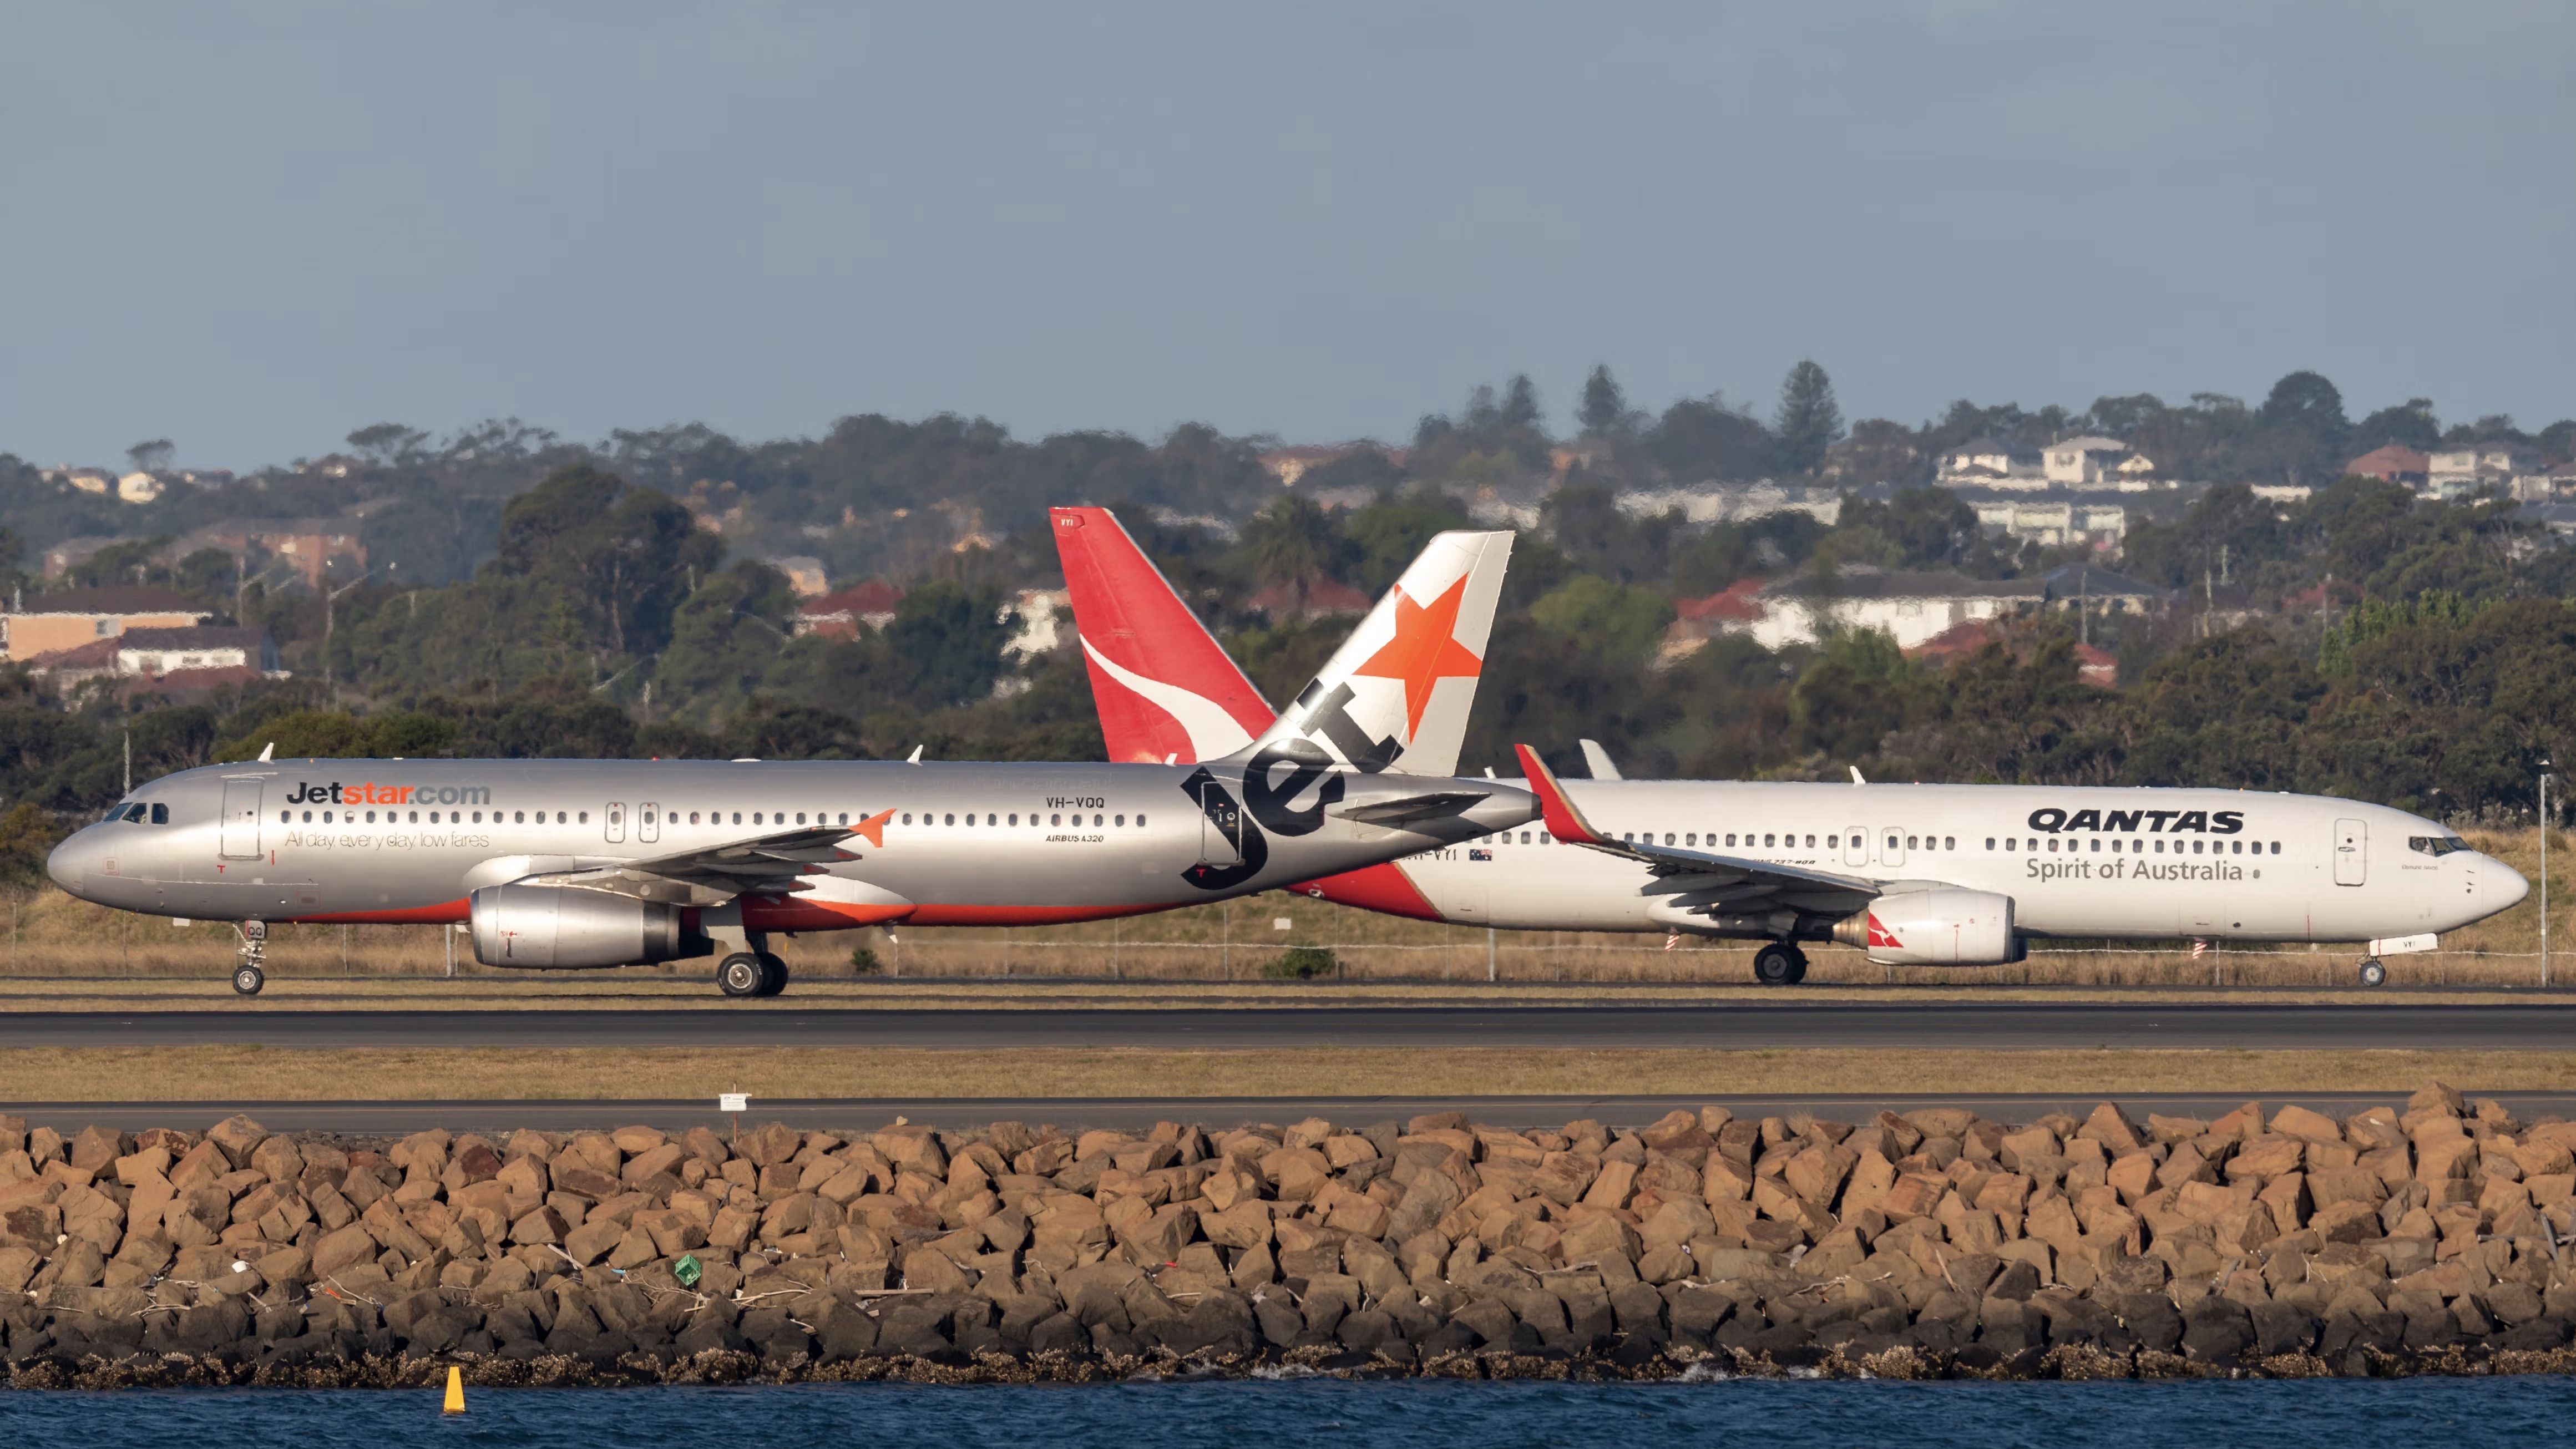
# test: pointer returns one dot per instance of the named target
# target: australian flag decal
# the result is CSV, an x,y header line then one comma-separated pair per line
x,y
1480,855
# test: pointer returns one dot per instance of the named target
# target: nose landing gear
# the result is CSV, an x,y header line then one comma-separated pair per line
x,y
248,978
1780,964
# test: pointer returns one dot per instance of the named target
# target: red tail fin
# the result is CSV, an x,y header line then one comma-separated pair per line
x,y
1163,688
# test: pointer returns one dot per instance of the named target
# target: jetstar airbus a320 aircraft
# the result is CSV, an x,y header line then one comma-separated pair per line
x,y
1939,875
581,863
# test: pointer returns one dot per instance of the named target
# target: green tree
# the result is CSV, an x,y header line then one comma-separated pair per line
x,y
1293,542
2410,424
1858,690
2302,430
1624,622
1708,440
1605,413
953,638
1808,421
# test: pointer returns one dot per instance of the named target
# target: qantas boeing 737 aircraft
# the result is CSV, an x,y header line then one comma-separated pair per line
x,y
1945,875
583,863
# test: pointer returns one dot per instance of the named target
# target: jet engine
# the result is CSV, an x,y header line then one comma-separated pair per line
x,y
562,926
1939,926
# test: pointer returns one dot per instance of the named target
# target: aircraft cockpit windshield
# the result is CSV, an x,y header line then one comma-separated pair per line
x,y
2435,844
136,814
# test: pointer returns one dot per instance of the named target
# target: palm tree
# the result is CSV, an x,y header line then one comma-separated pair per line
x,y
1291,542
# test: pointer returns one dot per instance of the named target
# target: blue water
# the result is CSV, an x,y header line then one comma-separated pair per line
x,y
2453,1413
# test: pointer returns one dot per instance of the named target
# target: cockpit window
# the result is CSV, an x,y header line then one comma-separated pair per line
x,y
2435,844
160,814
134,813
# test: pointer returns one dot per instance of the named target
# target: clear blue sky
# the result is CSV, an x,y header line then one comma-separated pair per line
x,y
252,227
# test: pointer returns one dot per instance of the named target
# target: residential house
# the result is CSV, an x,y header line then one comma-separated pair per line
x,y
140,487
1911,607
155,653
1325,599
804,574
2394,463
2457,472
48,623
1046,621
2094,666
2086,462
2055,525
310,549
1988,463
63,557
1292,463
841,615
1731,502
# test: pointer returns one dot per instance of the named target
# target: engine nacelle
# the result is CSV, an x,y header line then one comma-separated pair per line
x,y
560,926
1942,926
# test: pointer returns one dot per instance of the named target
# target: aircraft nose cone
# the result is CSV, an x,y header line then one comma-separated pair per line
x,y
71,862
2500,886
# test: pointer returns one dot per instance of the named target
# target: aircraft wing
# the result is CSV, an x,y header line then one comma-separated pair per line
x,y
773,864
1701,880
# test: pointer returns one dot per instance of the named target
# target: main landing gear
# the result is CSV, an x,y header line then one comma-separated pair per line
x,y
2372,973
1780,964
248,978
751,973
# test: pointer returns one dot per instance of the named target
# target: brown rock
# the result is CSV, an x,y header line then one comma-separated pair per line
x,y
2107,1126
237,1136
2264,1158
592,1240
2295,1121
544,1225
1613,1187
343,1249
2133,1175
1914,1195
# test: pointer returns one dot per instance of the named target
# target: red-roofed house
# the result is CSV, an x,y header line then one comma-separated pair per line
x,y
840,615
2396,462
1327,598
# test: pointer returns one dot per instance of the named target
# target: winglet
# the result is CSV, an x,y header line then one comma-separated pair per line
x,y
874,828
268,752
1557,812
915,757
1856,779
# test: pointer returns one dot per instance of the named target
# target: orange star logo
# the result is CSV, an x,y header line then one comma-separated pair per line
x,y
874,828
1424,651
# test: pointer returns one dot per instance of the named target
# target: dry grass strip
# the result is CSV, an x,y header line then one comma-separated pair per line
x,y
303,1074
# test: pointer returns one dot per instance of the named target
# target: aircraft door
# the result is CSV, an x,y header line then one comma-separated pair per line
x,y
241,820
1220,828
1892,843
2351,851
1855,845
648,822
616,821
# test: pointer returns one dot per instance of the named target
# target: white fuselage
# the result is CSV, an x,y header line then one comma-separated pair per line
x,y
2222,864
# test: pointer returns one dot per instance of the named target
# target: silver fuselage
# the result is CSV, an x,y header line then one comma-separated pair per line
x,y
409,840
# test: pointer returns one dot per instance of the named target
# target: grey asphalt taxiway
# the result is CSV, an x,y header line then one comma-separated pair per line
x,y
1941,1025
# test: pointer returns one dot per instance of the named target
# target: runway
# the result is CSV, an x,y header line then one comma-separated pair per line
x,y
559,1115
1947,1025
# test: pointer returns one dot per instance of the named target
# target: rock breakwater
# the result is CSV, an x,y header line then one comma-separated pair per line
x,y
2422,1238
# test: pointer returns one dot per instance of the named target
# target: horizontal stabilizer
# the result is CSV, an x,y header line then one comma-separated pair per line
x,y
1439,804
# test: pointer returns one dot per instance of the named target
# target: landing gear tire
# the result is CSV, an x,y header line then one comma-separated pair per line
x,y
741,974
773,974
2373,974
1779,964
248,980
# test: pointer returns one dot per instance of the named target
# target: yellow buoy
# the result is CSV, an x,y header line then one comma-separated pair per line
x,y
455,1390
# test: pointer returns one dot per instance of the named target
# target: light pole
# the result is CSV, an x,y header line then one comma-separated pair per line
x,y
2544,874
329,597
